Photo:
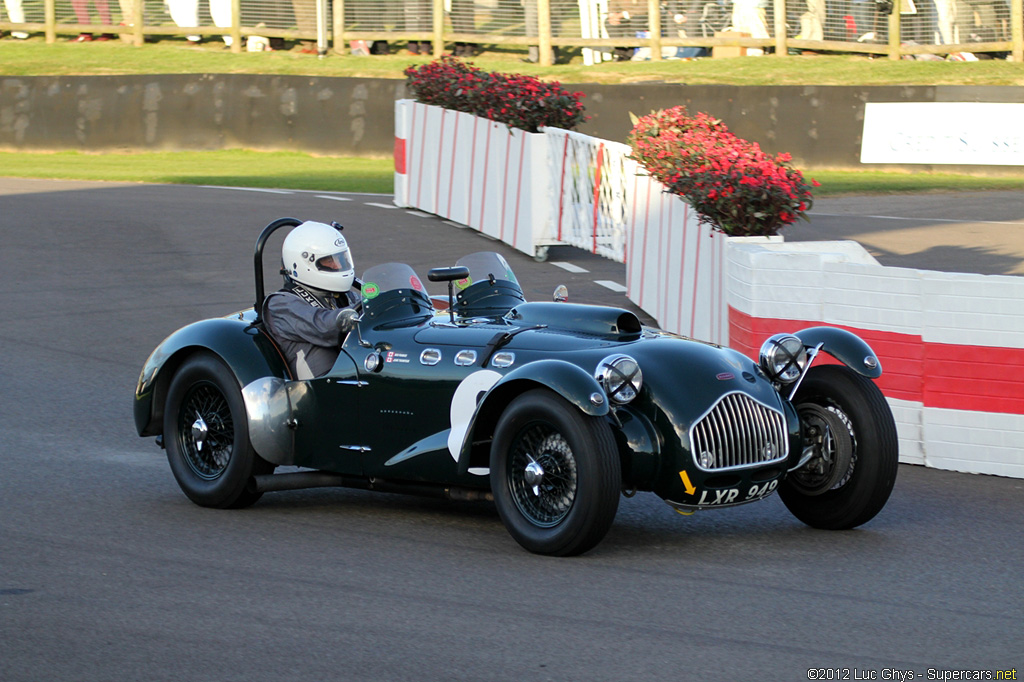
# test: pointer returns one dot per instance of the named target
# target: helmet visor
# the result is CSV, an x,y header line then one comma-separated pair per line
x,y
336,262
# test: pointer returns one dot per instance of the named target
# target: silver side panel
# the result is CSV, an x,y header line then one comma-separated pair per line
x,y
268,404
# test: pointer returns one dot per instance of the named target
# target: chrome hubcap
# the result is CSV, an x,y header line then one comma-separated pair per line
x,y
542,475
199,432
533,476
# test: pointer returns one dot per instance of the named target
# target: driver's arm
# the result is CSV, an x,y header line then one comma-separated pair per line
x,y
292,318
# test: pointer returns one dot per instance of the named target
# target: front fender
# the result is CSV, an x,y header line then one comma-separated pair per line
x,y
845,346
564,378
247,352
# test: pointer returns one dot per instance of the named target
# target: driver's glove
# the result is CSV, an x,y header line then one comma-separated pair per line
x,y
346,320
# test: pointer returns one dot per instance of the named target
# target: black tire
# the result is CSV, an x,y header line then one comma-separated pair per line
x,y
849,479
206,433
569,506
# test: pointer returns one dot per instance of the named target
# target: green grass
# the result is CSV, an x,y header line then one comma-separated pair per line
x,y
172,55
289,170
234,168
292,170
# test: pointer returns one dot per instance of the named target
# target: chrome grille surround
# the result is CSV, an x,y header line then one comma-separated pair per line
x,y
739,432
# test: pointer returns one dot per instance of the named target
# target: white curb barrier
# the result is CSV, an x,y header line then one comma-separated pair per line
x,y
474,171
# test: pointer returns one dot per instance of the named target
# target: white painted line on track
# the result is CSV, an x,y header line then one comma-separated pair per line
x,y
370,203
454,224
419,214
327,196
919,220
614,286
250,189
570,267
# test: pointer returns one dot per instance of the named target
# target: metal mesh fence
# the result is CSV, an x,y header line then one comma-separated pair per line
x,y
274,14
590,193
596,29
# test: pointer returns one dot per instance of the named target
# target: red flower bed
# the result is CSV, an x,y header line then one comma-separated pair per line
x,y
518,101
736,187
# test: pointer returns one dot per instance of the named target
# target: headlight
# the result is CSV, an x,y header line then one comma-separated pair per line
x,y
620,377
783,358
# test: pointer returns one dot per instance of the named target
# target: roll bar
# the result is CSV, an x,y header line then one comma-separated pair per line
x,y
258,257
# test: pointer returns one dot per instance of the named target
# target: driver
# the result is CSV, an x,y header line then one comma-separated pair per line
x,y
310,315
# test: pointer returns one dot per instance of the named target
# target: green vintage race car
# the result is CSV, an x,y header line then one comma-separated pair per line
x,y
551,409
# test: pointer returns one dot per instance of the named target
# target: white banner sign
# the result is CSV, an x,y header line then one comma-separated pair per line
x,y
982,133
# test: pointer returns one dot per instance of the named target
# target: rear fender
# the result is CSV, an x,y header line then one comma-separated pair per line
x,y
844,346
564,378
246,351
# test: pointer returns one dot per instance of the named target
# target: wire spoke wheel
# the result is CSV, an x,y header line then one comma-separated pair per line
x,y
555,474
207,435
206,431
542,475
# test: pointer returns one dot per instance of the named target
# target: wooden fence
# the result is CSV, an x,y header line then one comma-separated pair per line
x,y
544,28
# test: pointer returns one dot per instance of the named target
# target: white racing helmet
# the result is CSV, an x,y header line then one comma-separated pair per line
x,y
317,255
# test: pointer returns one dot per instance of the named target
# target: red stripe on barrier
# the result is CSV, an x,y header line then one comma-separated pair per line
x,y
938,375
631,249
721,291
519,189
423,153
682,265
472,174
665,236
399,155
643,246
561,187
437,176
597,194
713,294
696,279
974,378
487,165
451,176
504,188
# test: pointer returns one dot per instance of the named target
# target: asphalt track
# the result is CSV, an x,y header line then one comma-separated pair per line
x,y
108,573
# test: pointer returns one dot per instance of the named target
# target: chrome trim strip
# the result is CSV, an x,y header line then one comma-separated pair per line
x,y
811,354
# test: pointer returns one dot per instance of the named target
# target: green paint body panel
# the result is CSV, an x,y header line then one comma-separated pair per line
x,y
844,346
246,350
419,416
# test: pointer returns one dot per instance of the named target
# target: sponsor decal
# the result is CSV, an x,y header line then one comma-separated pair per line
x,y
370,290
464,283
395,356
415,283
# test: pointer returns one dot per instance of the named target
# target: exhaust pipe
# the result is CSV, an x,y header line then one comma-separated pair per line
x,y
300,480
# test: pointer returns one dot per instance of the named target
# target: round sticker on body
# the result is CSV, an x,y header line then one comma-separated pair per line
x,y
370,290
414,281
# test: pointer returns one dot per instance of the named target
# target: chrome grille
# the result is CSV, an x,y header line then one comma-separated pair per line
x,y
739,432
